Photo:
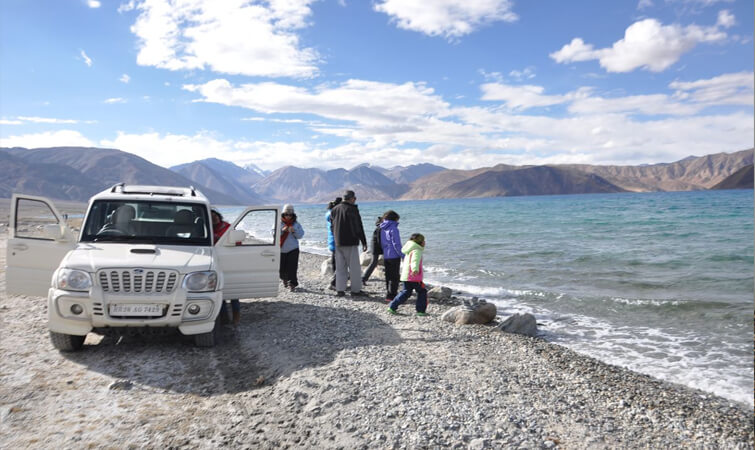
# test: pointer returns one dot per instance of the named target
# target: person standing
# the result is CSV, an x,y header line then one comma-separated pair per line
x,y
348,232
377,250
331,241
412,276
291,232
390,242
219,227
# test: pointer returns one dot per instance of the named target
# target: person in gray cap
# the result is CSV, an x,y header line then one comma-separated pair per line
x,y
348,232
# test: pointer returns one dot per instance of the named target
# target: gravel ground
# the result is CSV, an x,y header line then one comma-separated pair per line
x,y
310,370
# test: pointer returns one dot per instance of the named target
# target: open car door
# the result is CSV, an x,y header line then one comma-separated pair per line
x,y
249,254
38,239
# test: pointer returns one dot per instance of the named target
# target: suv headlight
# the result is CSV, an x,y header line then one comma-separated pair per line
x,y
201,281
73,280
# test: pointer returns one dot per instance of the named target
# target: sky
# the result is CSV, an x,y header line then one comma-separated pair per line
x,y
338,83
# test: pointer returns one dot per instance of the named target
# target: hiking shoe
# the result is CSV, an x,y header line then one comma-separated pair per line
x,y
331,287
340,294
421,314
392,311
388,300
359,294
293,288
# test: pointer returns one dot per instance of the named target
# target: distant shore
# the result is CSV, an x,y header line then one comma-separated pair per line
x,y
314,370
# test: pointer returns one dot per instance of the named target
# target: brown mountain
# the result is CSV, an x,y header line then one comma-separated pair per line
x,y
741,179
693,173
86,171
17,175
223,176
293,184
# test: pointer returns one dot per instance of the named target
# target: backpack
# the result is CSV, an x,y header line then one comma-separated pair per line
x,y
377,244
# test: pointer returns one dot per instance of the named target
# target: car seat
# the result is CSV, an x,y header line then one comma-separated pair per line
x,y
183,225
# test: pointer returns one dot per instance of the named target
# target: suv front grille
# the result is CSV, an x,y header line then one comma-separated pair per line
x,y
138,281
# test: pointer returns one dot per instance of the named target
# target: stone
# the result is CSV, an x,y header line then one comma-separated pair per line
x,y
440,293
365,258
473,311
521,324
326,269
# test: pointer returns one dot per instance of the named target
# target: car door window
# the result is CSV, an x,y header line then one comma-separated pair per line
x,y
259,226
31,218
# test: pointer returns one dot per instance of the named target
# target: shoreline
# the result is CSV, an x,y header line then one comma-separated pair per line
x,y
309,369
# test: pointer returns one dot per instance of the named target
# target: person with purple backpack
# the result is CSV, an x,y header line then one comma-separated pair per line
x,y
390,242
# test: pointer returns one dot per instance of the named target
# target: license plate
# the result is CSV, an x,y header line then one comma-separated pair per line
x,y
136,310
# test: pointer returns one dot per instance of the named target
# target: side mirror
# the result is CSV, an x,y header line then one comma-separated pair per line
x,y
235,237
53,232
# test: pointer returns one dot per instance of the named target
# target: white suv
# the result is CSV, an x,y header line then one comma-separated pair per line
x,y
144,258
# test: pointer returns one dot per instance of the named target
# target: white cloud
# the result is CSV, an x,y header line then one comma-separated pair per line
x,y
10,122
124,78
178,149
726,19
93,4
448,18
647,44
230,36
524,96
47,120
643,4
726,89
376,117
61,138
368,103
656,104
87,59
527,73
114,100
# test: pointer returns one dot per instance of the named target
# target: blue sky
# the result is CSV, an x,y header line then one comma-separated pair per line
x,y
337,83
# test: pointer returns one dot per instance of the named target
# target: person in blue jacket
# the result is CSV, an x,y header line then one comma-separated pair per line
x,y
290,233
390,242
332,241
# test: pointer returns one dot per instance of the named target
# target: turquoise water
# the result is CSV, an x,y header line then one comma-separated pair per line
x,y
661,283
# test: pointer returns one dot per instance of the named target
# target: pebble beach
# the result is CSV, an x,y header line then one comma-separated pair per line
x,y
312,370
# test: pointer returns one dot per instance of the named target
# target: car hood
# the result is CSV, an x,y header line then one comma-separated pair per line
x,y
93,257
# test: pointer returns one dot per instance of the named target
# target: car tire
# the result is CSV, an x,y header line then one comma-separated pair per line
x,y
66,342
205,339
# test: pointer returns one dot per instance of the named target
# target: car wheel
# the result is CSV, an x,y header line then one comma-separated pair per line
x,y
66,342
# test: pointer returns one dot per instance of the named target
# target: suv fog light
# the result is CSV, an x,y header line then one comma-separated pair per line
x,y
77,309
194,309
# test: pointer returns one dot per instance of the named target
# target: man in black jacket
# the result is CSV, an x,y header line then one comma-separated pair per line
x,y
348,233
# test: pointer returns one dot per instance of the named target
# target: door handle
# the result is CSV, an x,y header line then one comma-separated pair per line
x,y
20,247
267,253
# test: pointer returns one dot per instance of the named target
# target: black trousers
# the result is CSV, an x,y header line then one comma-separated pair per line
x,y
288,268
392,274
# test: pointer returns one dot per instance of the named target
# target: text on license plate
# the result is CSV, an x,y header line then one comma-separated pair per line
x,y
136,310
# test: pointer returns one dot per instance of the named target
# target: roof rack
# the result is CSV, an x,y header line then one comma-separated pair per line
x,y
154,190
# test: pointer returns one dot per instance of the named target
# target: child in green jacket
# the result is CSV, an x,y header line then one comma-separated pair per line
x,y
411,275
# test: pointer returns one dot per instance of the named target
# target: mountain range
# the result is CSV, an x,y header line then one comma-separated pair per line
x,y
76,173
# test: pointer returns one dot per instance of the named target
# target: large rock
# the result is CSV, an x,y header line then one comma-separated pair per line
x,y
365,259
326,268
440,294
521,324
471,312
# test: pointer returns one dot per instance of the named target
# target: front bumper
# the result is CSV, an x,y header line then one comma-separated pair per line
x,y
95,311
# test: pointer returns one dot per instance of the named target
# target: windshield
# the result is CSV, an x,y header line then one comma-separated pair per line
x,y
147,221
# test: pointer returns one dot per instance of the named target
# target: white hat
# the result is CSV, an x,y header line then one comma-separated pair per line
x,y
288,208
